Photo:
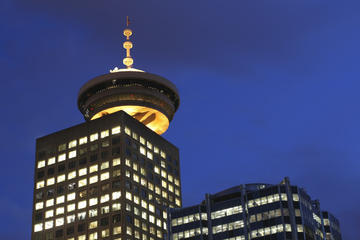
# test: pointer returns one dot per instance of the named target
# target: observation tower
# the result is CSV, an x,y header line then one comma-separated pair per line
x,y
149,98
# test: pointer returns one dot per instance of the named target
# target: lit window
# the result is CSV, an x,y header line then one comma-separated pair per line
x,y
116,161
62,147
81,237
135,136
136,178
117,230
296,197
82,182
150,155
104,134
93,201
142,140
61,157
127,131
156,149
82,171
170,178
136,199
71,175
128,196
104,198
157,170
38,227
60,210
51,161
82,215
105,233
127,162
142,150
82,204
82,140
105,209
151,186
116,206
59,222
144,204
163,173
49,202
164,194
151,218
71,207
93,212
104,176
163,164
177,182
116,195
70,218
50,181
177,202
115,130
162,154
72,154
151,208
39,205
144,215
104,165
135,167
61,178
60,199
93,168
93,225
72,144
143,171
93,179
71,196
143,182
40,184
41,164
177,192
93,236
49,224
94,137
171,188
163,184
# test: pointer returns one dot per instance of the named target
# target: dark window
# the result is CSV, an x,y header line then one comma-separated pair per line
x,y
50,192
92,190
169,167
82,151
39,195
129,219
115,140
105,143
60,189
116,151
116,184
128,152
61,167
82,161
104,221
38,216
143,193
150,166
93,147
157,180
70,230
150,176
93,157
128,141
116,218
51,171
128,184
59,233
156,160
104,154
81,227
41,154
72,165
105,187
136,189
72,186
40,174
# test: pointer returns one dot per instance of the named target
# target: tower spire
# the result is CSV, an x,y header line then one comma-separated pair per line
x,y
128,60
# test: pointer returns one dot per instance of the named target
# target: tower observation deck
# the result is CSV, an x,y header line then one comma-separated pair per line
x,y
149,98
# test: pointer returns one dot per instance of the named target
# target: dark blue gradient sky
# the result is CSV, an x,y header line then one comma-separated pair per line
x,y
268,89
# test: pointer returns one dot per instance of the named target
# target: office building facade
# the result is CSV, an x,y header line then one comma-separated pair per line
x,y
113,176
254,211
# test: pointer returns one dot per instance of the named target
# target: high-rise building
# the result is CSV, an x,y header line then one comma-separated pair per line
x,y
254,211
113,176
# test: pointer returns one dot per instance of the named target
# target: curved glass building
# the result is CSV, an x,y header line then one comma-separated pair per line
x,y
254,211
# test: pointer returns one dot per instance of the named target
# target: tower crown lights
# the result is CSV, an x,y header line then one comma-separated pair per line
x,y
149,98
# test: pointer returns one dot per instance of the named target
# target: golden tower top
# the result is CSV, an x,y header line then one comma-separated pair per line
x,y
128,60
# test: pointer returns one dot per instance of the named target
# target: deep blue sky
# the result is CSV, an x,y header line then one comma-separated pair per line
x,y
268,89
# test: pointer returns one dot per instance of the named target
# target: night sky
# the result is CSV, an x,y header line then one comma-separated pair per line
x,y
268,89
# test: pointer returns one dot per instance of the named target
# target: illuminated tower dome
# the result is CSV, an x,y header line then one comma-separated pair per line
x,y
149,98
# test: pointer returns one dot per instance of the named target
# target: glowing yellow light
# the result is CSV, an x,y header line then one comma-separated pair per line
x,y
153,119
